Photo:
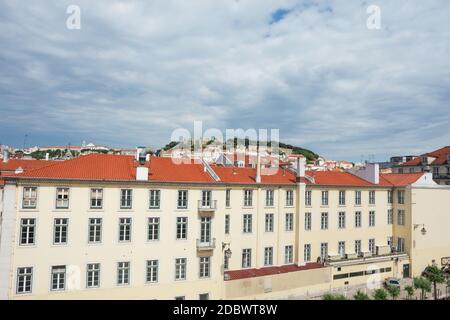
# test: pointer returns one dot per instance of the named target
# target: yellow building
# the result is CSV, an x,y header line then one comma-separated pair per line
x,y
116,227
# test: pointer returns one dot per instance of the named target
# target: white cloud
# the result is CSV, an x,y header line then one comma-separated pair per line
x,y
137,70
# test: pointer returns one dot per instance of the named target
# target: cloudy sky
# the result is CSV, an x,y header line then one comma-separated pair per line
x,y
137,70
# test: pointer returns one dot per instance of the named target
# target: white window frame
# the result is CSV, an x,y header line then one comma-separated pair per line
x,y
123,273
270,197
268,256
248,198
27,227
180,269
181,228
247,223
152,271
62,198
154,199
125,229
29,198
60,231
93,275
58,277
95,225
126,198
153,228
269,222
24,280
96,198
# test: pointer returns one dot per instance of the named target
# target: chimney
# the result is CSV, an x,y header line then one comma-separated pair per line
x,y
5,156
258,167
301,167
141,169
47,155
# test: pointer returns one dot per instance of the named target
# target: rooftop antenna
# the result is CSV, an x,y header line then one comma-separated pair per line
x,y
25,141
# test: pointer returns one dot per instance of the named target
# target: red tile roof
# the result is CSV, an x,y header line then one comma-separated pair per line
x,y
337,178
399,179
13,164
123,168
440,155
266,271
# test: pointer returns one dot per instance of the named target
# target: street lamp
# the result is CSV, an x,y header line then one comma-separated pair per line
x,y
423,230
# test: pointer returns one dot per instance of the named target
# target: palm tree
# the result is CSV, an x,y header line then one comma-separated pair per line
x,y
410,291
330,296
361,296
422,284
380,294
393,291
434,275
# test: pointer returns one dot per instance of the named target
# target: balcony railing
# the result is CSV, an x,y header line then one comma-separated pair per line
x,y
441,175
210,205
206,245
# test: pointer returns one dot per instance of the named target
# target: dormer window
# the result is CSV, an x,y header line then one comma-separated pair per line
x,y
424,160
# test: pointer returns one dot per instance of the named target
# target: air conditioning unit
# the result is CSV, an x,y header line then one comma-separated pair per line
x,y
334,257
351,256
366,254
382,250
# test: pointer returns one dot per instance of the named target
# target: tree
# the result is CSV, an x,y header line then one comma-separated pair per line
x,y
423,284
361,296
393,291
380,294
410,291
435,276
330,296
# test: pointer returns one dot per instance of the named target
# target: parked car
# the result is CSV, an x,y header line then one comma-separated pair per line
x,y
392,282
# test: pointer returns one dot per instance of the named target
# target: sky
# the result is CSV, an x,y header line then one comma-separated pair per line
x,y
137,70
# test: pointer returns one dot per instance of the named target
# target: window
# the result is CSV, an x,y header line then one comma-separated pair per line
x,y
60,230
269,222
95,230
126,197
182,201
324,198
206,199
24,280
390,216
96,198
372,245
205,267
288,254
308,198
411,170
289,198
123,273
93,275
269,198
357,198
247,226
401,217
180,298
268,256
29,200
400,170
323,251
155,198
435,171
371,197
27,231
248,198
153,229
358,219
205,230
342,198
289,222
124,229
152,270
227,224
341,224
307,220
180,269
307,252
390,196
182,223
62,198
401,245
203,296
324,220
357,247
390,241
228,198
246,258
401,196
371,218
341,248
58,278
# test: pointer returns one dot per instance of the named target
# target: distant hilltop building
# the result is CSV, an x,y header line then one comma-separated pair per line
x,y
437,162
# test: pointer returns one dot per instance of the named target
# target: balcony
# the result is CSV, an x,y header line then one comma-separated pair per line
x,y
207,208
206,245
